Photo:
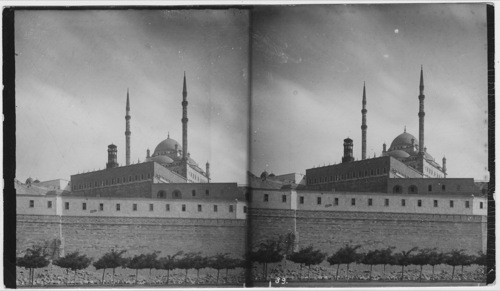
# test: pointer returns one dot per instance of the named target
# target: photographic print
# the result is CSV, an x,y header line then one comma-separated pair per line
x,y
270,146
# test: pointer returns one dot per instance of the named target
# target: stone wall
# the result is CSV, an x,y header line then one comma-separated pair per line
x,y
95,236
329,230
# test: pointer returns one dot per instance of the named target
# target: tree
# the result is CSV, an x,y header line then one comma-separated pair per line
x,y
270,251
481,260
385,257
371,258
455,258
169,263
186,263
199,262
403,259
73,261
34,258
137,262
307,256
420,259
218,262
347,255
151,261
335,260
434,258
287,244
111,260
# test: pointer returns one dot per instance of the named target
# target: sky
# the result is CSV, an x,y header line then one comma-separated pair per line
x,y
73,69
309,64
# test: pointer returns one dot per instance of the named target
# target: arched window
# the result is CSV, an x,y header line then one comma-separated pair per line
x,y
397,189
177,194
429,188
193,192
161,194
413,189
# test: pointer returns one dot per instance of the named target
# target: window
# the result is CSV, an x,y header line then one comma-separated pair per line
x,y
385,170
231,208
207,192
118,207
370,202
177,194
247,196
130,178
32,203
413,189
371,172
443,187
435,203
244,209
378,171
353,201
161,194
336,201
403,202
386,202
84,206
151,207
318,200
481,205
95,184
429,188
183,207
283,198
193,192
149,175
199,207
215,208
266,197
134,207
397,189
66,205
136,177
167,207
467,204
451,203
101,207
301,199
142,176
112,181
49,204
419,203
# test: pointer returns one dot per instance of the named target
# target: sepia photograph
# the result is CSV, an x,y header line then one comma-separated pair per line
x,y
300,146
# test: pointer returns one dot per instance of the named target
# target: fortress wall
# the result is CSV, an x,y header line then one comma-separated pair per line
x,y
329,230
95,236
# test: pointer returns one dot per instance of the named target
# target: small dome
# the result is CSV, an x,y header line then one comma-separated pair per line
x,y
398,154
403,141
29,180
166,146
162,160
36,181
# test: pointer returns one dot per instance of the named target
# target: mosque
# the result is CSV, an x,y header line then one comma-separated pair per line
x,y
402,198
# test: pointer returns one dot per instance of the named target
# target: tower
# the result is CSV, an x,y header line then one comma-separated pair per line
x,y
444,166
347,151
184,120
111,157
208,171
421,113
363,125
127,132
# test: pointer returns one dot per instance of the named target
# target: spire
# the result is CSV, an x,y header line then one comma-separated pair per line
x,y
363,125
421,115
127,131
405,128
184,121
184,88
168,134
421,79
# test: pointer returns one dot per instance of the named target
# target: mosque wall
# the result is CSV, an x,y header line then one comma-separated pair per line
x,y
204,191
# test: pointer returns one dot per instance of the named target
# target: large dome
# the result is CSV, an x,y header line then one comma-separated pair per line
x,y
166,146
403,141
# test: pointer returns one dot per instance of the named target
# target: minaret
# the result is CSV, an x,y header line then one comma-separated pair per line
x,y
421,114
208,171
363,125
184,120
444,166
127,132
